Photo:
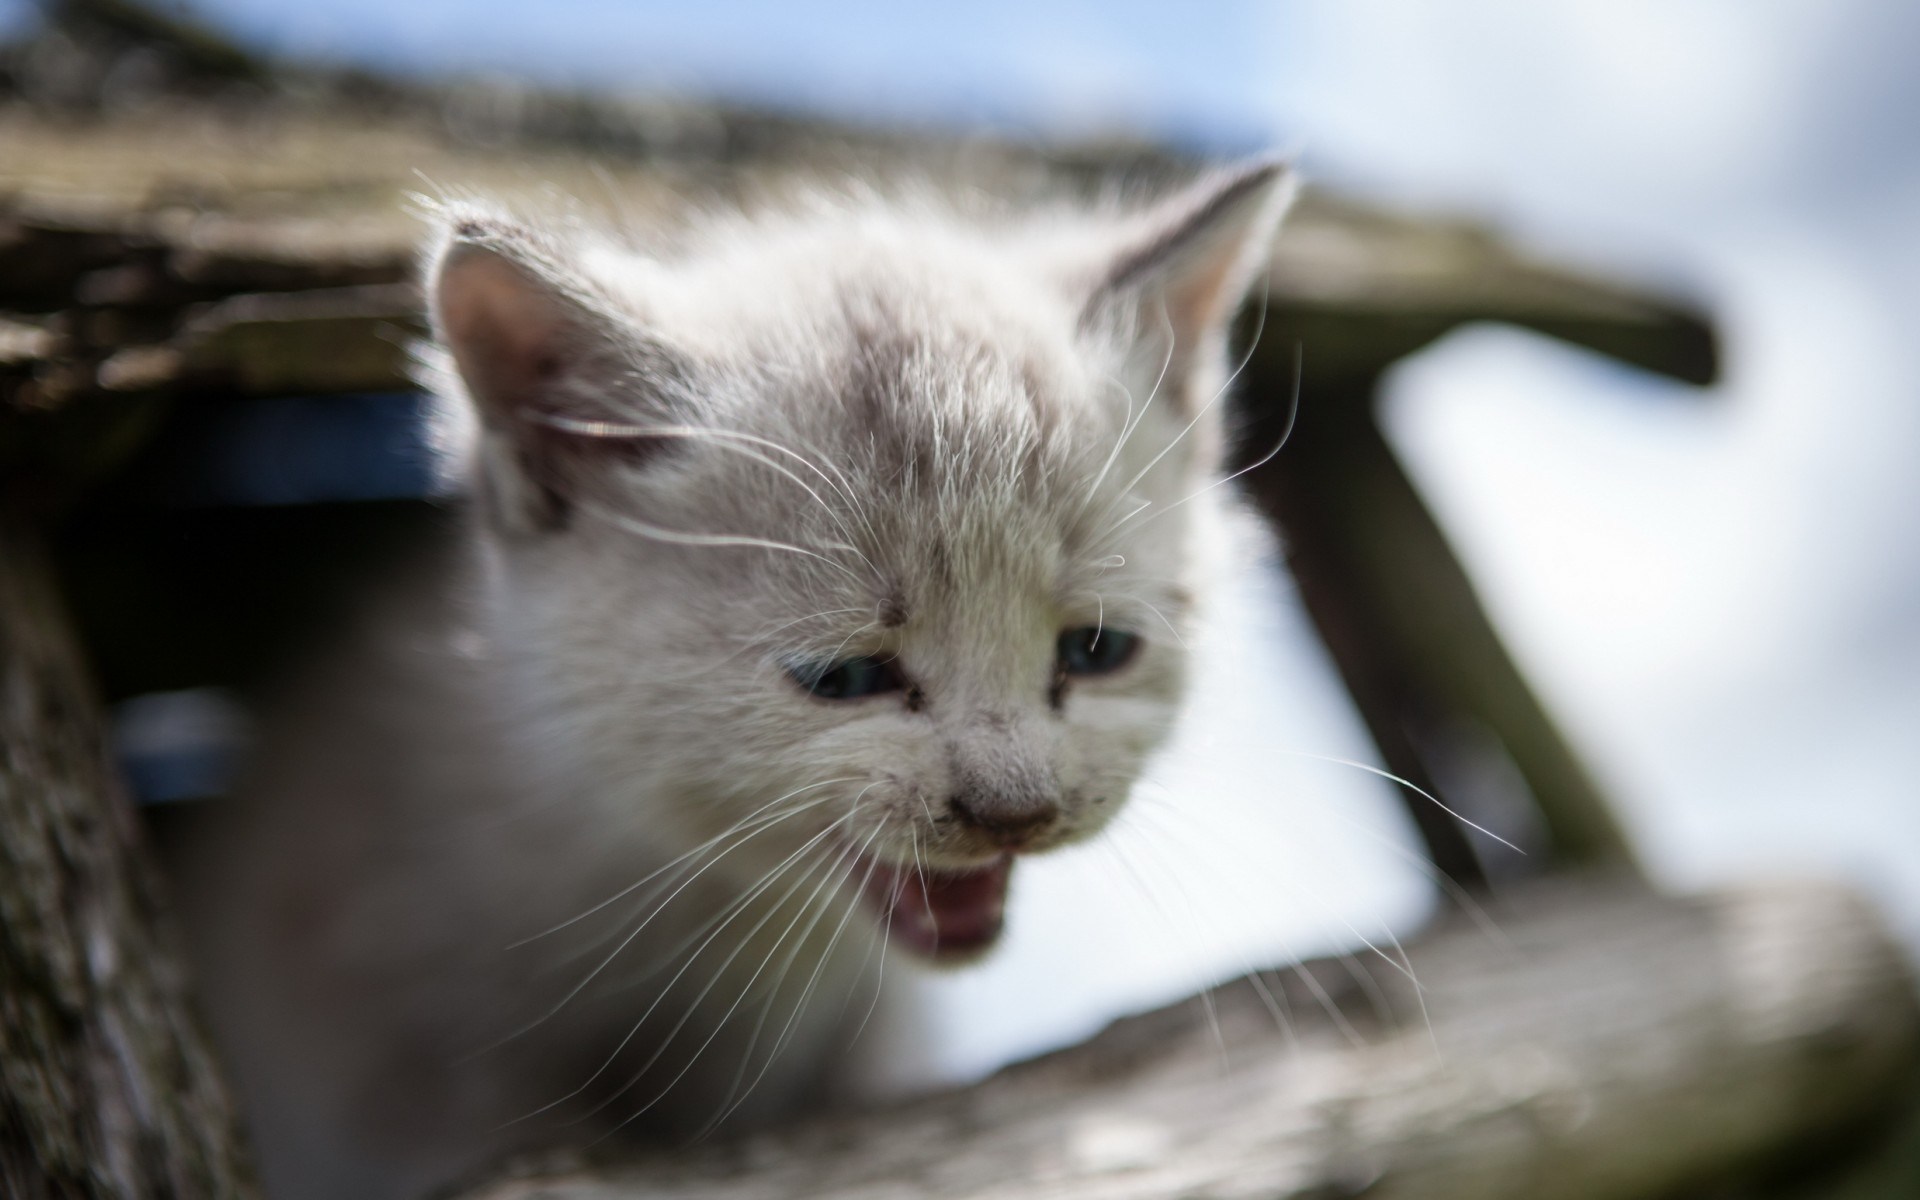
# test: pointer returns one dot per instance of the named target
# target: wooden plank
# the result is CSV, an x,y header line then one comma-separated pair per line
x,y
123,226
1408,633
1603,1044
107,1087
1364,285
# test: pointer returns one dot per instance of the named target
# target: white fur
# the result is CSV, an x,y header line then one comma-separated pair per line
x,y
882,430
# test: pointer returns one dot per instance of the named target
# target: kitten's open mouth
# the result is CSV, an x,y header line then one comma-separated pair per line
x,y
942,914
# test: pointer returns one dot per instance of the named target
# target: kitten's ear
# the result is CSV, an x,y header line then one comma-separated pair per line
x,y
557,377
1183,266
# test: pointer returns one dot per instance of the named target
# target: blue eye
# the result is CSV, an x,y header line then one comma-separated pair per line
x,y
848,679
1095,651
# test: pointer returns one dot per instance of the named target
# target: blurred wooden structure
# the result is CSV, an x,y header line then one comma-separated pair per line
x,y
280,263
1610,1046
175,254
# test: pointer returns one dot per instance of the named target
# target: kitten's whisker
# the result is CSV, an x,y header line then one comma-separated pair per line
x,y
671,955
1245,359
677,537
616,951
1206,993
848,640
1170,831
809,905
739,904
1171,627
765,883
725,437
644,904
1354,967
1293,414
813,980
866,880
1476,913
1414,787
736,827
765,637
880,975
1280,1009
694,1004
773,989
736,1097
1132,422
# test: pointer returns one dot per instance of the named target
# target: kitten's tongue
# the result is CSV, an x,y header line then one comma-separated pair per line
x,y
941,913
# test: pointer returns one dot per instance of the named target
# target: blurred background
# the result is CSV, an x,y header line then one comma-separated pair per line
x,y
1716,591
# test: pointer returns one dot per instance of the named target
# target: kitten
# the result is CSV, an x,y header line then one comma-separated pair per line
x,y
817,567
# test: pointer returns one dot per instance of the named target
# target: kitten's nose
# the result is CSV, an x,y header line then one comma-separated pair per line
x,y
1010,822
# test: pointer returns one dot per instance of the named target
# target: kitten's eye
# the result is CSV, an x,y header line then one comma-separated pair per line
x,y
1095,651
848,679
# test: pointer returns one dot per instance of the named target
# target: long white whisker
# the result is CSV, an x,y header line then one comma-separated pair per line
x,y
1293,414
615,953
694,1004
678,537
810,905
1206,993
880,976
766,882
1392,778
736,827
774,987
786,1033
668,956
620,430
1170,831
767,635
1259,329
1132,421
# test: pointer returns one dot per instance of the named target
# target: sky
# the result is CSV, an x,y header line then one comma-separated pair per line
x,y
1717,591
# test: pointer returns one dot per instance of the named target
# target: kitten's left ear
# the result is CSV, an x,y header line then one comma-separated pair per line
x,y
555,371
1185,264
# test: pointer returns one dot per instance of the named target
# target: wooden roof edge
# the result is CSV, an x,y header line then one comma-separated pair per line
x,y
1344,256
1339,254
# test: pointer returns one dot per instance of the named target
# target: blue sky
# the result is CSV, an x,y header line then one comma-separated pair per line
x,y
1194,72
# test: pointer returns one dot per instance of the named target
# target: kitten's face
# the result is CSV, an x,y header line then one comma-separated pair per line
x,y
853,556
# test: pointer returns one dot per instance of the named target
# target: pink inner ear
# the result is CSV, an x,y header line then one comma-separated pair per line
x,y
506,328
1200,298
1197,253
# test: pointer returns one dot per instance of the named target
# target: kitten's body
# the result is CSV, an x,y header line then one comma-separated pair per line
x,y
895,459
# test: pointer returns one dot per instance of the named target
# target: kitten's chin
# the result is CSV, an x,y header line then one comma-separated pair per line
x,y
948,917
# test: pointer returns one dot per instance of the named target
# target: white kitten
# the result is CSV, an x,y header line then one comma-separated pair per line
x,y
818,567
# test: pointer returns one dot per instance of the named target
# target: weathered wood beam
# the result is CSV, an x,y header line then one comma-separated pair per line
x,y
1403,622
1600,1044
1364,286
107,1088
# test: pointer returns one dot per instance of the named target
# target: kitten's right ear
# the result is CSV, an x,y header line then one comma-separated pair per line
x,y
1180,269
556,375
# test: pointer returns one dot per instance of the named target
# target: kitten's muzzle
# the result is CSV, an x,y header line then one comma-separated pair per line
x,y
1008,823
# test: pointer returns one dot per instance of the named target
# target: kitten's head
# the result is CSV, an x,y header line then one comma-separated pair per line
x,y
852,544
